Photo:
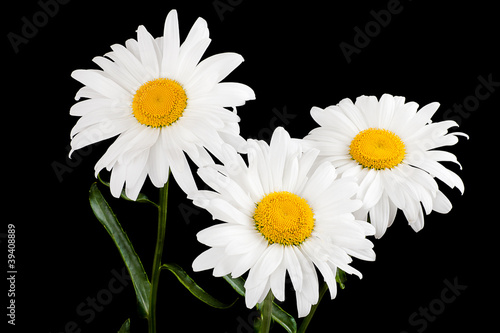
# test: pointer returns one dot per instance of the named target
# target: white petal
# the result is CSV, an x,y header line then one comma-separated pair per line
x,y
227,94
277,282
392,212
192,49
87,92
223,211
385,111
89,105
443,156
278,150
244,244
208,259
100,83
319,181
438,170
328,273
104,117
368,106
418,223
290,175
256,294
118,148
370,189
220,235
130,63
199,31
143,140
101,131
214,69
132,190
310,288
303,306
425,114
441,203
179,165
306,162
249,259
265,266
171,44
225,266
379,216
293,267
354,114
117,179
120,75
158,163
188,59
136,174
147,51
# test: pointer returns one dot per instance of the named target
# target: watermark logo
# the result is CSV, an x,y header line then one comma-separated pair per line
x,y
281,118
223,6
88,309
363,37
484,89
248,325
425,315
32,25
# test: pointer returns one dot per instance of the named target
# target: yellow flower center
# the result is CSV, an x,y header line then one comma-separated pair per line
x,y
377,149
159,102
284,218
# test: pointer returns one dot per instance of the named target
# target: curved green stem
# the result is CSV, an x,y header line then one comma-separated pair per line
x,y
160,240
266,312
307,319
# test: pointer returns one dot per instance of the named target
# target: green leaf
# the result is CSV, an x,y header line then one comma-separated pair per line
x,y
238,284
341,278
142,198
125,327
279,315
108,219
285,319
195,289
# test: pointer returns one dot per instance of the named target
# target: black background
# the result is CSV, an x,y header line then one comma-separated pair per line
x,y
427,52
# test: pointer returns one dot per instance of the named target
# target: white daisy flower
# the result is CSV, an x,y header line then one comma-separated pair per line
x,y
161,101
390,149
281,215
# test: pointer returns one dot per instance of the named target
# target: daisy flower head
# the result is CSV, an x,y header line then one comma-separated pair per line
x,y
391,149
161,101
281,214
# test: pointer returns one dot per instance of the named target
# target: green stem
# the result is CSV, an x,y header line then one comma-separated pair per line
x,y
307,319
266,312
160,240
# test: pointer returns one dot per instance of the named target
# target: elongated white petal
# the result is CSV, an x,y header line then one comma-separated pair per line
x,y
147,52
171,44
208,259
98,82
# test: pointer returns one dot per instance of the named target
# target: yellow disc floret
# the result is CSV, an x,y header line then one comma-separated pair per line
x,y
284,218
159,102
377,149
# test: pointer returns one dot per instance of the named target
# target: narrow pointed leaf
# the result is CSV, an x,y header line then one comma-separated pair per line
x,y
238,284
125,327
286,320
195,289
137,273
